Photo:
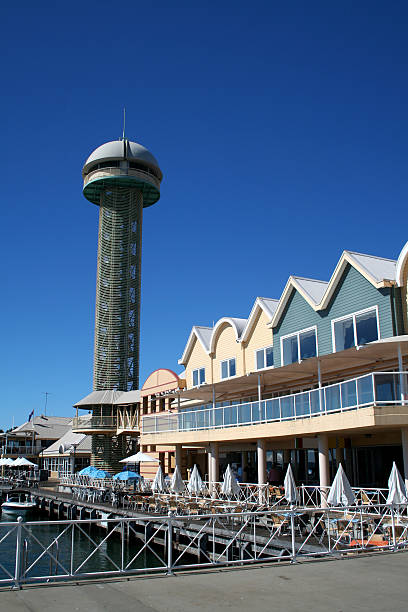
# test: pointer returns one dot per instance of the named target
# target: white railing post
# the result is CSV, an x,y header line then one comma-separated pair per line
x,y
170,544
292,528
17,569
374,391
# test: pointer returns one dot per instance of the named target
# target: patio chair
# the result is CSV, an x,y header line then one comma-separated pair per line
x,y
193,508
151,504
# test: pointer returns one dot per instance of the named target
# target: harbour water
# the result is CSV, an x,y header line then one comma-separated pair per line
x,y
50,548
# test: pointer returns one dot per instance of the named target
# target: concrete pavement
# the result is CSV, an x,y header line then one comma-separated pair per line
x,y
375,583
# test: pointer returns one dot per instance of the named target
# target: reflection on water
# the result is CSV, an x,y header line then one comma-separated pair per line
x,y
54,549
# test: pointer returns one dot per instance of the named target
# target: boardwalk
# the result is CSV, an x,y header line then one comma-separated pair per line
x,y
376,583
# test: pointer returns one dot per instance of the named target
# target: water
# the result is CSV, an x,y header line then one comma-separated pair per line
x,y
54,549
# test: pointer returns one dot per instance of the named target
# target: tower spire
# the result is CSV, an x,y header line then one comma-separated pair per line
x,y
124,122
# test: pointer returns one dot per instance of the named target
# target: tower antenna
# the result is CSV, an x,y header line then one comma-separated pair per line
x,y
124,122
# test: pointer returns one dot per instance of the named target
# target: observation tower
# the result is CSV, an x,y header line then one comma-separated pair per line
x,y
122,178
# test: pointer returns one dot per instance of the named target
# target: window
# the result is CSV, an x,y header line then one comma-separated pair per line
x,y
299,346
228,368
355,329
198,377
264,358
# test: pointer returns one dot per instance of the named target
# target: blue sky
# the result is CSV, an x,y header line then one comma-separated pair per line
x,y
281,131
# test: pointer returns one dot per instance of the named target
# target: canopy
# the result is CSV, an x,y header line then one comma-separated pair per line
x,y
8,461
88,471
341,493
3,461
195,484
140,458
397,491
177,483
230,485
126,475
159,485
291,493
100,474
23,462
14,462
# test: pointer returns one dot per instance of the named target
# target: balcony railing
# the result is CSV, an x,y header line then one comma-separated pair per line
x,y
102,173
22,449
380,388
94,422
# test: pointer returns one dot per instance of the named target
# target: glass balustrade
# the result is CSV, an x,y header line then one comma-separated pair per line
x,y
374,388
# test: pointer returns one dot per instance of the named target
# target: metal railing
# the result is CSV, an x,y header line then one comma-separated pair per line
x,y
23,449
46,551
249,494
114,171
88,422
379,388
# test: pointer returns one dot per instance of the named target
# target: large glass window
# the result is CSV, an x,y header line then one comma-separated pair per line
x,y
264,358
299,346
228,368
198,377
355,330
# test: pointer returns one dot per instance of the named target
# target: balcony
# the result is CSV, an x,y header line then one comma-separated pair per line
x,y
374,389
94,424
128,420
22,450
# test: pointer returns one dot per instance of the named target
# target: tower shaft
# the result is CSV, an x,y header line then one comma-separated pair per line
x,y
117,312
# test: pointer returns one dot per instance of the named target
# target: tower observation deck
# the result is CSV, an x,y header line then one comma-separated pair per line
x,y
122,178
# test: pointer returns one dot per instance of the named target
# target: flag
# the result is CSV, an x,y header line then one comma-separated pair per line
x,y
30,415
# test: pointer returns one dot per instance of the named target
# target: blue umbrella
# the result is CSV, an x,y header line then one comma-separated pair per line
x,y
88,471
126,475
100,474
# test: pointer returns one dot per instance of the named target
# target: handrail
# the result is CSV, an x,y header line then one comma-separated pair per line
x,y
99,173
247,537
374,388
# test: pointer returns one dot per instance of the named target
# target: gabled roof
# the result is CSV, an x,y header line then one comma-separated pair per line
x,y
310,289
379,271
97,398
203,335
238,325
266,305
65,444
47,427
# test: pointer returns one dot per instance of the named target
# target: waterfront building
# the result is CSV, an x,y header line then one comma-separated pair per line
x,y
34,436
122,178
316,377
67,455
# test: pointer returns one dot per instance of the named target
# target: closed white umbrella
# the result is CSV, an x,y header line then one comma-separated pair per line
x,y
291,493
341,493
177,484
158,483
397,491
140,458
195,484
230,485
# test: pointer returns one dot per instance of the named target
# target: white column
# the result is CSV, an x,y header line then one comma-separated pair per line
x,y
324,472
404,440
177,455
215,472
401,376
261,457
